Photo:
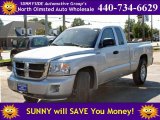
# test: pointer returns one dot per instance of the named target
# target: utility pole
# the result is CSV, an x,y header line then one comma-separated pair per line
x,y
25,24
129,28
151,28
46,24
143,29
63,22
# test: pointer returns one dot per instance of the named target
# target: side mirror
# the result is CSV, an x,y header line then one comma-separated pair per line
x,y
14,43
50,42
55,34
107,42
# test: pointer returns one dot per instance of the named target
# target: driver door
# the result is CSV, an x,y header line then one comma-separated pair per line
x,y
111,55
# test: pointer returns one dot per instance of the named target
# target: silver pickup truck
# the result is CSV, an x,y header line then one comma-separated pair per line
x,y
77,62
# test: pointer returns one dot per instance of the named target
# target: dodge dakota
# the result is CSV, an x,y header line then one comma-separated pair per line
x,y
77,62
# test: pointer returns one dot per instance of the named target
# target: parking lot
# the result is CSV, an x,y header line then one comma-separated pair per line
x,y
119,90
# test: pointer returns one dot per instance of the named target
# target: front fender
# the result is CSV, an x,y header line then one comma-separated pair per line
x,y
78,62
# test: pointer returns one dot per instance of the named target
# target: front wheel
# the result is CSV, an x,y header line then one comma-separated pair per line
x,y
29,99
139,76
82,87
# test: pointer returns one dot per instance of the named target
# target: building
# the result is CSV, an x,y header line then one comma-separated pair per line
x,y
7,32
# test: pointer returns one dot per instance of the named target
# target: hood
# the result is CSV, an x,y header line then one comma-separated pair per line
x,y
52,52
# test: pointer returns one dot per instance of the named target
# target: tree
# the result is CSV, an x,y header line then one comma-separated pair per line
x,y
34,19
77,22
138,30
131,24
1,23
61,29
155,31
40,32
42,21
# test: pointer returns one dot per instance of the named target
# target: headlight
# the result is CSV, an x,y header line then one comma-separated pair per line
x,y
59,68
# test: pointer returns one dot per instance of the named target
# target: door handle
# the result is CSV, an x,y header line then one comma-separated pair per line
x,y
115,52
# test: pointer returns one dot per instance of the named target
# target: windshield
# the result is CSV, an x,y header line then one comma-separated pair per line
x,y
39,42
82,37
22,42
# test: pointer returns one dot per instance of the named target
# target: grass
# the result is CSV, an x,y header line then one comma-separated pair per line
x,y
4,61
156,49
5,51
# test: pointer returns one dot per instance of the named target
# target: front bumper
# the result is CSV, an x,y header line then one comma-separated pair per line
x,y
49,88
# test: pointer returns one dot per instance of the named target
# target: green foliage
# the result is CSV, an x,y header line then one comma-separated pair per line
x,y
61,29
77,22
131,22
34,19
42,21
40,32
155,31
138,30
4,61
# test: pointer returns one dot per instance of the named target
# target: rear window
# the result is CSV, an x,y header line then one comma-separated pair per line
x,y
120,37
39,42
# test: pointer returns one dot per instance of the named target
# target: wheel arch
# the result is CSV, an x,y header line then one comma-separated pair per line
x,y
144,56
92,72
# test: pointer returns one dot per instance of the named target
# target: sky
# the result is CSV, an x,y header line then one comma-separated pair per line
x,y
93,19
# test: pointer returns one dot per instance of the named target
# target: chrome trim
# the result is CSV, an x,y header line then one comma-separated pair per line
x,y
26,70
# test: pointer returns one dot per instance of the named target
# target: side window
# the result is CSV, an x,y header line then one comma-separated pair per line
x,y
119,36
108,33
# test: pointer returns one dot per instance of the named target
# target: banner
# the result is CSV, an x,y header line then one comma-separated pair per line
x,y
72,111
72,7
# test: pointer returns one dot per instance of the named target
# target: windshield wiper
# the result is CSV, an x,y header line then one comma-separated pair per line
x,y
74,44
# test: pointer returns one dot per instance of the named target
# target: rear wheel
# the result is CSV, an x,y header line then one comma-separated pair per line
x,y
139,76
29,99
82,87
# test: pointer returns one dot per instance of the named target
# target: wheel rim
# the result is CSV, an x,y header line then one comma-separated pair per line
x,y
143,72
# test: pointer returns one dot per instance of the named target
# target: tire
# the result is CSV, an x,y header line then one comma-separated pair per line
x,y
29,99
82,87
139,76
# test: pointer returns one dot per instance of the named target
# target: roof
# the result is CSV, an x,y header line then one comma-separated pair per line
x,y
34,36
9,29
93,26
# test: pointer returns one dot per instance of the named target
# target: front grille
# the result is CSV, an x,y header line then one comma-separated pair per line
x,y
19,65
36,66
35,74
20,72
30,70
